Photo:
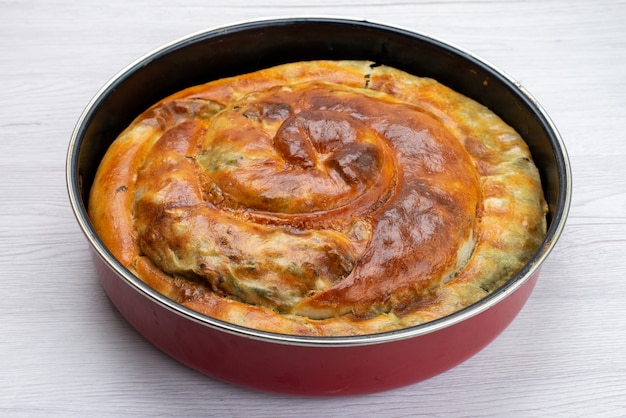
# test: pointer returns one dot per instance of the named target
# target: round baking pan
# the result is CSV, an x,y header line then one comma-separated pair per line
x,y
311,366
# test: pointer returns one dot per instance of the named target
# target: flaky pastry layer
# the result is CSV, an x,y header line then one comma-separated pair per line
x,y
320,198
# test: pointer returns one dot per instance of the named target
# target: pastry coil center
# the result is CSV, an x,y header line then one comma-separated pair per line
x,y
315,200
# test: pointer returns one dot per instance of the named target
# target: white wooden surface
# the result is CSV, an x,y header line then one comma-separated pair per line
x,y
64,351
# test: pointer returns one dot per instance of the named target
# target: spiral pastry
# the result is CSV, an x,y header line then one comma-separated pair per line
x,y
320,198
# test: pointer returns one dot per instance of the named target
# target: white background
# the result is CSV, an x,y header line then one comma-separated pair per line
x,y
65,351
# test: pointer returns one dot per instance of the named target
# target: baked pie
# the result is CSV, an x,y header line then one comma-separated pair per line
x,y
323,198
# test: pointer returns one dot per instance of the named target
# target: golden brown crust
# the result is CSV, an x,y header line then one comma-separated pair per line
x,y
320,198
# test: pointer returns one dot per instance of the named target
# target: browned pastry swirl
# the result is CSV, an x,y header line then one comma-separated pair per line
x,y
324,198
